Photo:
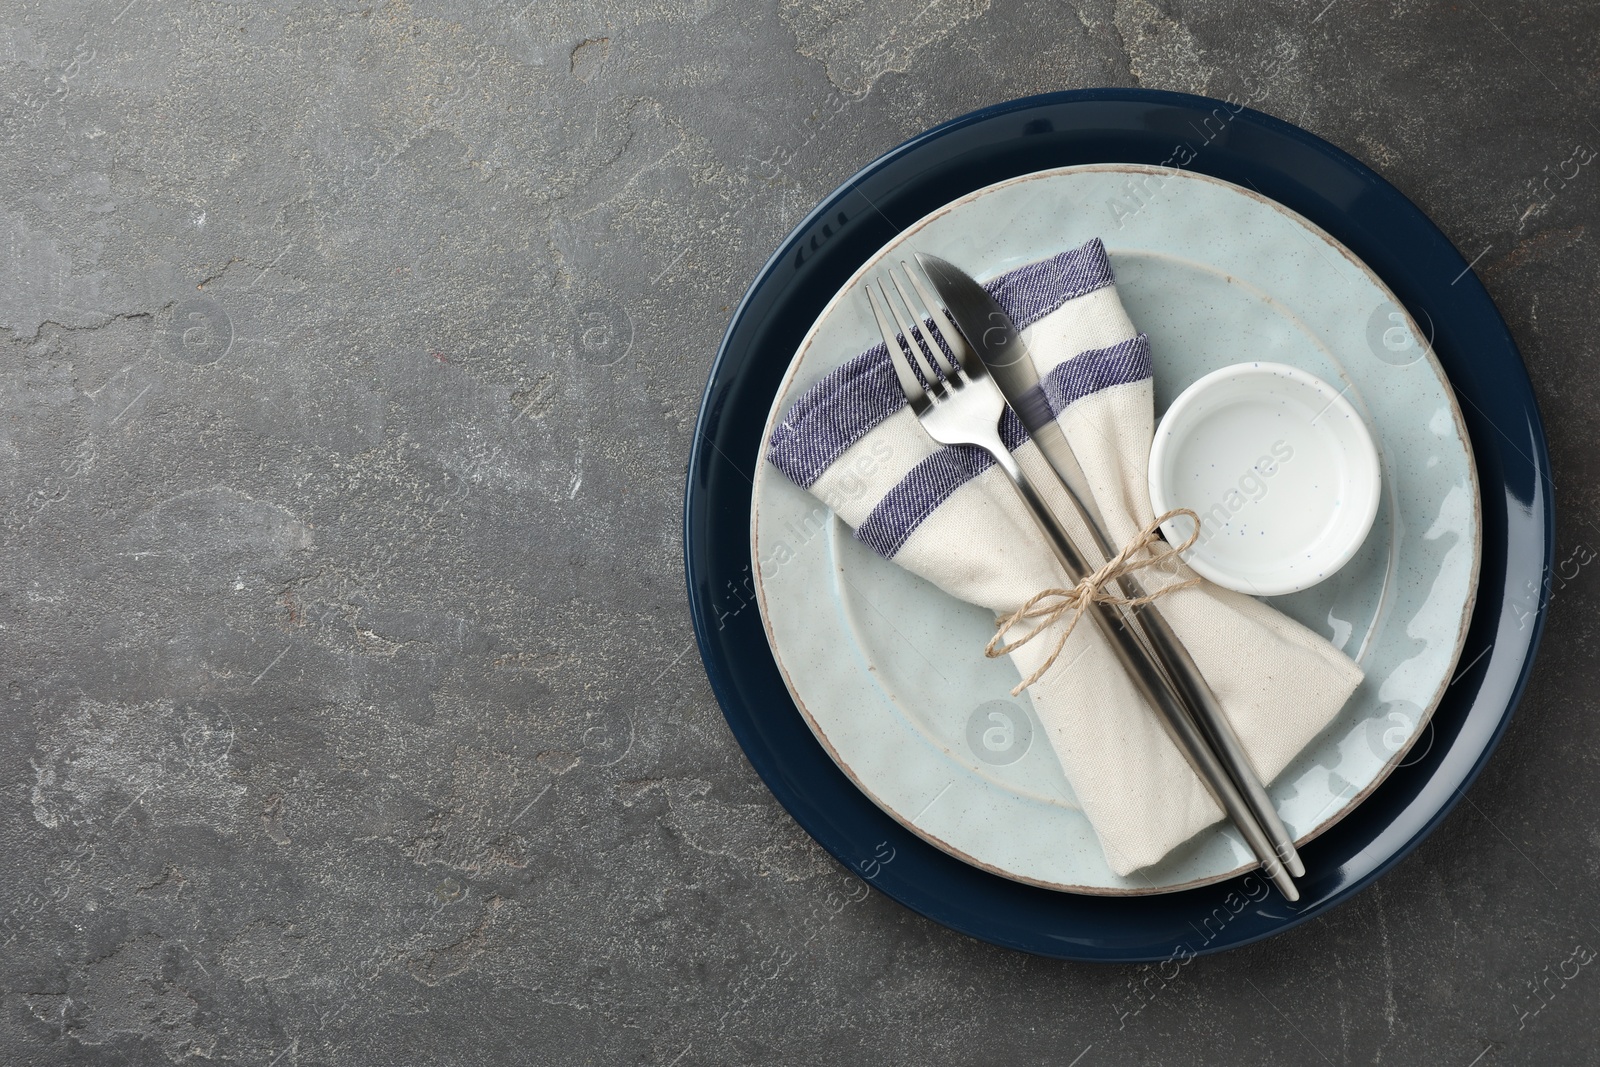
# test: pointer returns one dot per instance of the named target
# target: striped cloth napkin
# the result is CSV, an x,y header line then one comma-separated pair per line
x,y
945,514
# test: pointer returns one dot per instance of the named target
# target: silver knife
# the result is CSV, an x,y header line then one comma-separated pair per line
x,y
990,331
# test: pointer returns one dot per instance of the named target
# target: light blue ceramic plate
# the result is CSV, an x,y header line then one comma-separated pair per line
x,y
1216,275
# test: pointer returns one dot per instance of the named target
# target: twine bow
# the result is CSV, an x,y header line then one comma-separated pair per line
x,y
1050,605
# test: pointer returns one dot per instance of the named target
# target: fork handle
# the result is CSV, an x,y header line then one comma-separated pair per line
x,y
1151,682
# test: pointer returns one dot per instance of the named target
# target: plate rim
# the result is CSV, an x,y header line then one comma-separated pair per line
x,y
1535,528
764,472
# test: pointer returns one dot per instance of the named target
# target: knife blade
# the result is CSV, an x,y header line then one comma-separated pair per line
x,y
1000,347
991,333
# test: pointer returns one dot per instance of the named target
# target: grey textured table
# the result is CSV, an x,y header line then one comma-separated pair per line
x,y
350,359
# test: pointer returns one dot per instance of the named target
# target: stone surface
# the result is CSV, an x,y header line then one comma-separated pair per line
x,y
351,710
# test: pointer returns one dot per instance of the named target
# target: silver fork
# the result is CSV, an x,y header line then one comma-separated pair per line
x,y
958,403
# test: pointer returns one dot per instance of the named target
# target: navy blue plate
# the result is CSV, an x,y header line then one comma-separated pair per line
x,y
1298,170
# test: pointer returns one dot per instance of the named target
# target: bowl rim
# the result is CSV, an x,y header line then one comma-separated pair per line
x,y
1358,457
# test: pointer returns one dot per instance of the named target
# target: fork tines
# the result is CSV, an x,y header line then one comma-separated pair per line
x,y
924,346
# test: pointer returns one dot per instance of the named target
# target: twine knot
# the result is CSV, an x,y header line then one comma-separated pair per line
x,y
1049,606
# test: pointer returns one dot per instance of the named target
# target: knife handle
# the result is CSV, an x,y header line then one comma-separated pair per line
x,y
1213,723
1154,685
1164,643
1178,664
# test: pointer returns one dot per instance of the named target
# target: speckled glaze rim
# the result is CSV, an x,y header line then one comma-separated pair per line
x,y
1320,182
777,410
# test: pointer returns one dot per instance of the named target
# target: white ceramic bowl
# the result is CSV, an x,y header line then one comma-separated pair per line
x,y
1281,470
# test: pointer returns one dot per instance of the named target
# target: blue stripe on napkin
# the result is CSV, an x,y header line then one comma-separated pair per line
x,y
1092,371
928,485
933,481
850,401
841,409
